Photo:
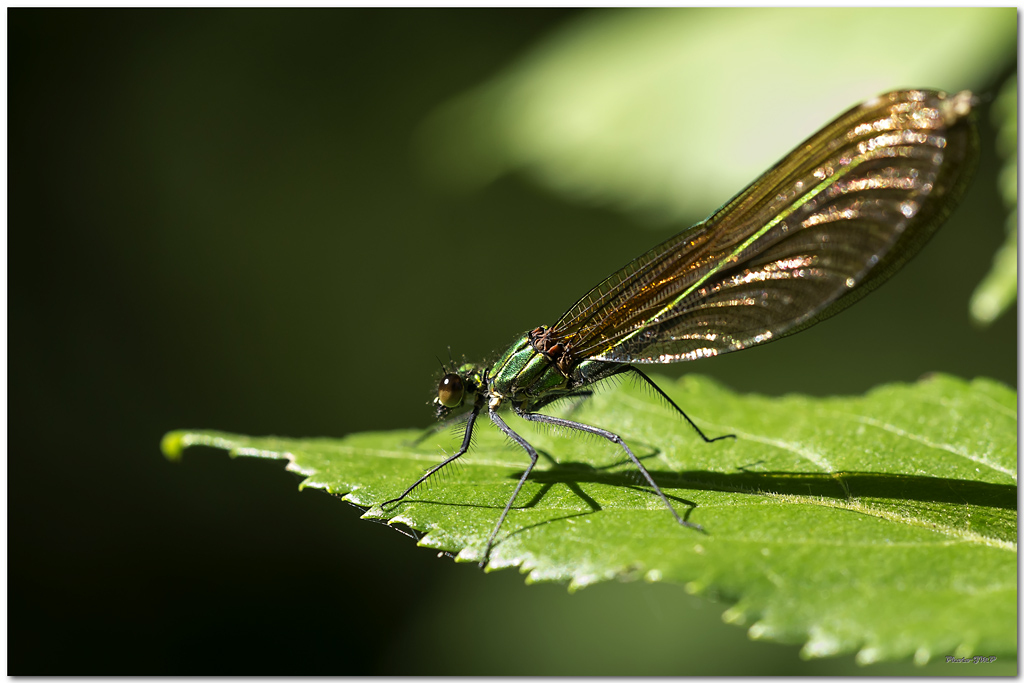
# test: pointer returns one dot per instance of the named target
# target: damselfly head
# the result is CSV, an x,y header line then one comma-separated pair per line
x,y
454,386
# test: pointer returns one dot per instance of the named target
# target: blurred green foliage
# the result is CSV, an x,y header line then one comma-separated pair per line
x,y
998,291
671,112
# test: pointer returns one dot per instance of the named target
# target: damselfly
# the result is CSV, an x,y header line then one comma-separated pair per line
x,y
823,227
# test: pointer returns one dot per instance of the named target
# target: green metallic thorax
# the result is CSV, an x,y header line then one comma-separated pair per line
x,y
532,379
525,375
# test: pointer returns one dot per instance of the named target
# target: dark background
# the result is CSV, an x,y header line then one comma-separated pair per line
x,y
217,220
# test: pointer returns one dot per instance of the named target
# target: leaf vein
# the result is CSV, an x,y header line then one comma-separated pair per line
x,y
893,429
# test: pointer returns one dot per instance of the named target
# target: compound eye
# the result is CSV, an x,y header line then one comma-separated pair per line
x,y
451,390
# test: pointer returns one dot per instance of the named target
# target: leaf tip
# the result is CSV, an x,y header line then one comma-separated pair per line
x,y
821,645
579,582
172,445
762,631
470,555
735,615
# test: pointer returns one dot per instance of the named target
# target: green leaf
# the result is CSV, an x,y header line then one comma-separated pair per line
x,y
884,523
668,112
998,290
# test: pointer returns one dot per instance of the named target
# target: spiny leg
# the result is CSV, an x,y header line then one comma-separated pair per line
x,y
614,438
638,372
496,419
440,426
576,399
466,440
